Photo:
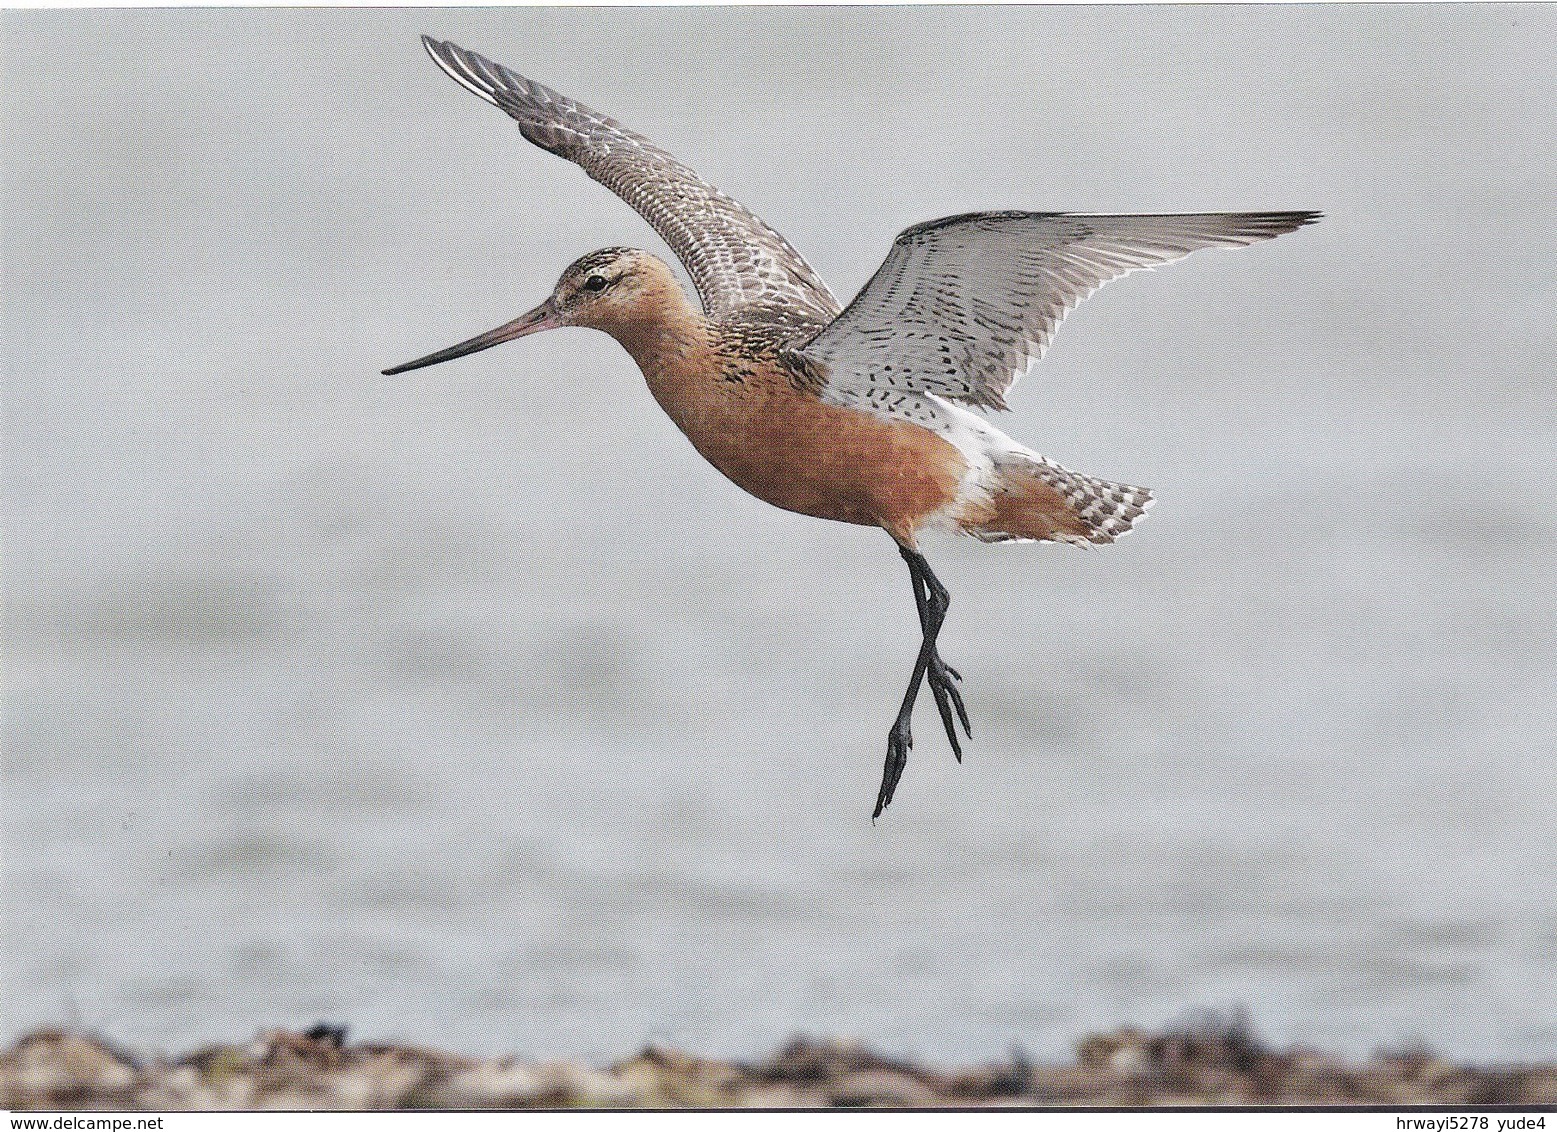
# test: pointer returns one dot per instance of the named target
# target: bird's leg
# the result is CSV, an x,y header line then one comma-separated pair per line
x,y
939,674
932,600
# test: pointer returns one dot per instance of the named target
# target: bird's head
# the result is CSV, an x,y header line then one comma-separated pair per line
x,y
614,289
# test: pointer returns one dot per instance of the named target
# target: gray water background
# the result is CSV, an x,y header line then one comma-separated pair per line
x,y
470,707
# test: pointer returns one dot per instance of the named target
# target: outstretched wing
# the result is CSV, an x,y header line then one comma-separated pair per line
x,y
735,260
963,306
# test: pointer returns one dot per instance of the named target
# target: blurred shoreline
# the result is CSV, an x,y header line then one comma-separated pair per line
x,y
1215,1063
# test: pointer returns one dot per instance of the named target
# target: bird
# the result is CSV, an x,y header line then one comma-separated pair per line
x,y
868,413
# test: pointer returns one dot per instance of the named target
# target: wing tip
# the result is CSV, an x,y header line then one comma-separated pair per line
x,y
1289,221
470,70
1259,225
1252,227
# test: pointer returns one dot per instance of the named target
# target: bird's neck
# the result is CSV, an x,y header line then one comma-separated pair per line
x,y
673,345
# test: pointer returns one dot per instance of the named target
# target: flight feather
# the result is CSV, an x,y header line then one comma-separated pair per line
x,y
735,260
964,305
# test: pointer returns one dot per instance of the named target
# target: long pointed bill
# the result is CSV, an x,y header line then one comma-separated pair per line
x,y
544,317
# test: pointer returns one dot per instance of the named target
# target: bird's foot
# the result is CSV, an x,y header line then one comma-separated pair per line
x,y
943,687
899,742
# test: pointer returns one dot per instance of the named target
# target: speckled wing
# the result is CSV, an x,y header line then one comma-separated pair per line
x,y
963,306
734,259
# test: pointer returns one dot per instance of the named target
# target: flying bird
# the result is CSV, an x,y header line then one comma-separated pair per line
x,y
861,414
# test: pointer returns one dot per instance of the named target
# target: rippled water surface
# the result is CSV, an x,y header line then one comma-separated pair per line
x,y
470,707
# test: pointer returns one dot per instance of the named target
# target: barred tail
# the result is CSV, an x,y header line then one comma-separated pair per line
x,y
1032,497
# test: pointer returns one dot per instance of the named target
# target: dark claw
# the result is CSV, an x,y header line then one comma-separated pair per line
x,y
943,690
956,698
899,742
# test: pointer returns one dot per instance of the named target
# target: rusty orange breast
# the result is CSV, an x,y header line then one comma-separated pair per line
x,y
738,404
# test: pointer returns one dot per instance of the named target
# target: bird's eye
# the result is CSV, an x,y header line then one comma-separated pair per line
x,y
595,283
